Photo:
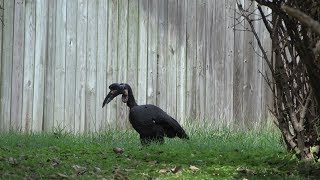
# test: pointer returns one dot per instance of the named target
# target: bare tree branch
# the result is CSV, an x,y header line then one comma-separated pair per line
x,y
305,19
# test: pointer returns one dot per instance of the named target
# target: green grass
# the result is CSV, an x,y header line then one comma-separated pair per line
x,y
216,154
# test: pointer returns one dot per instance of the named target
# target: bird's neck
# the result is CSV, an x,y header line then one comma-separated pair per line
x,y
131,100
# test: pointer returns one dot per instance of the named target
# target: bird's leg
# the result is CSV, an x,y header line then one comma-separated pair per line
x,y
145,141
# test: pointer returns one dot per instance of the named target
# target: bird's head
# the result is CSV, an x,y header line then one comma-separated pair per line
x,y
115,90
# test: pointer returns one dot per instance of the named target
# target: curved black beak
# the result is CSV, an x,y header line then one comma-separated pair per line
x,y
109,98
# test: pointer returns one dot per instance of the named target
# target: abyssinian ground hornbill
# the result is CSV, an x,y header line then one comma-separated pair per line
x,y
151,122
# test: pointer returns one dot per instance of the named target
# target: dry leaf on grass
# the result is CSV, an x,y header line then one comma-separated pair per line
x,y
79,170
54,161
118,150
12,161
246,171
176,169
193,168
163,171
60,175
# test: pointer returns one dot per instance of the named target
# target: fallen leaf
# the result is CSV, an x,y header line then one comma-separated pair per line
x,y
118,174
246,171
118,150
163,171
79,170
12,161
97,169
176,169
129,169
193,168
62,175
54,161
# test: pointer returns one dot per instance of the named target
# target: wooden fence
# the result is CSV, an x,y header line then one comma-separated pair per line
x,y
59,56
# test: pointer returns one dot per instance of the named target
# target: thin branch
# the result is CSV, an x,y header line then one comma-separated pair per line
x,y
266,23
265,56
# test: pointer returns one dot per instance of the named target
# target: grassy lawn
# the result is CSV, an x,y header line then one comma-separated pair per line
x,y
207,155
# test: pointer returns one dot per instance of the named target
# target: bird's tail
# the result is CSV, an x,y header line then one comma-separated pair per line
x,y
183,135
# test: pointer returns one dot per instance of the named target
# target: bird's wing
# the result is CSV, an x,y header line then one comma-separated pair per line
x,y
170,125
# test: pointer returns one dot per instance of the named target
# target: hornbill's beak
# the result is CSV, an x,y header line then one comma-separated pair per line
x,y
112,94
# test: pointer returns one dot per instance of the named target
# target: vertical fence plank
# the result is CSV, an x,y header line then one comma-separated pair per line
x,y
257,76
210,88
112,55
1,39
133,28
220,61
152,51
229,49
102,64
48,116
81,65
71,63
60,64
28,70
91,72
181,60
40,57
163,50
17,64
6,71
201,58
191,39
172,59
142,52
122,113
238,73
249,88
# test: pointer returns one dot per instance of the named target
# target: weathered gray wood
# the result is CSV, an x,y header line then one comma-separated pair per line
x,y
6,71
40,57
171,59
48,116
60,64
141,92
133,15
162,55
91,66
181,60
220,62
1,39
28,69
81,65
249,87
191,38
229,58
201,59
102,88
210,41
238,75
112,71
122,113
71,62
152,52
17,64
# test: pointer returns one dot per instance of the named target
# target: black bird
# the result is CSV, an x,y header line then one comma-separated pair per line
x,y
151,122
